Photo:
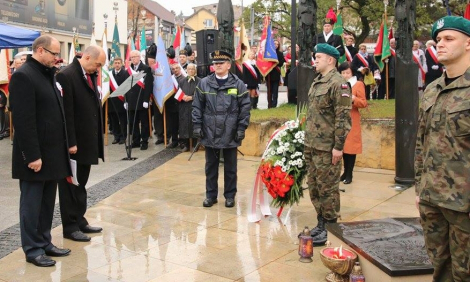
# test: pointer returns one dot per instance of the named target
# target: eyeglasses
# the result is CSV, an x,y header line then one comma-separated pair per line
x,y
52,53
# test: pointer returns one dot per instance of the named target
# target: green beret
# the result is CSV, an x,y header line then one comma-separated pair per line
x,y
327,49
450,22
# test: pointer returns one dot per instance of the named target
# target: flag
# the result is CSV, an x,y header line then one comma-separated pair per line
x,y
240,55
72,50
267,57
179,95
127,62
115,50
382,49
177,43
338,30
467,12
162,85
143,44
390,33
92,39
182,39
104,90
133,45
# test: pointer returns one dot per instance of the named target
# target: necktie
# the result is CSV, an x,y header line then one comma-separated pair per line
x,y
88,78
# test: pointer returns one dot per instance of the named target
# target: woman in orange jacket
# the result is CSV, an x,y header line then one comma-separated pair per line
x,y
353,144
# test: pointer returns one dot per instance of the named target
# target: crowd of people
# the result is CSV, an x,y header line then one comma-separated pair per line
x,y
215,111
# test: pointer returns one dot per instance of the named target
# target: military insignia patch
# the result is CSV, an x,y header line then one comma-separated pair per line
x,y
440,23
345,95
344,86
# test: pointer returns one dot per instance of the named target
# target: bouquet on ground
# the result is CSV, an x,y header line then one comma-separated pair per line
x,y
282,167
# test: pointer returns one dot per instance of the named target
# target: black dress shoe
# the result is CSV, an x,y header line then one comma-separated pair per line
x,y
144,146
42,261
229,203
343,177
209,202
185,149
56,252
159,141
122,141
115,141
91,229
78,236
347,181
173,145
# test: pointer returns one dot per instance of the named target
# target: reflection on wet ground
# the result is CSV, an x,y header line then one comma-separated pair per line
x,y
155,229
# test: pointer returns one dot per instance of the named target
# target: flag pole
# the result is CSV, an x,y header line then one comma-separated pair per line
x,y
106,128
160,25
386,62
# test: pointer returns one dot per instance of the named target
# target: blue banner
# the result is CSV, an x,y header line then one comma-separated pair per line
x,y
162,85
270,49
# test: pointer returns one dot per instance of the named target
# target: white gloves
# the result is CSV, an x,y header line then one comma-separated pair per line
x,y
146,105
435,67
125,106
360,69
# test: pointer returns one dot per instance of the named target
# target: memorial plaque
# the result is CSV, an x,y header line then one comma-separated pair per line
x,y
394,245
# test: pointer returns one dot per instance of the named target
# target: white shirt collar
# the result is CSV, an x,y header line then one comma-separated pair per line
x,y
327,36
352,81
223,77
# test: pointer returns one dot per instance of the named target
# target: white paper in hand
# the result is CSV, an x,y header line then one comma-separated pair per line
x,y
73,166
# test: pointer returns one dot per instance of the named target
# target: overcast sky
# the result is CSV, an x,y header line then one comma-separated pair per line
x,y
186,5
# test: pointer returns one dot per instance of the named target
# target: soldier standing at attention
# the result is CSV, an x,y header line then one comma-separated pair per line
x,y
442,158
328,124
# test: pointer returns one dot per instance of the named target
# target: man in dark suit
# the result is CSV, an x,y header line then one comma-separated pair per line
x,y
137,102
435,69
40,156
327,35
83,113
116,111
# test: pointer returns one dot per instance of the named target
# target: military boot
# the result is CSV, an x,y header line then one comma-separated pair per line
x,y
320,226
320,239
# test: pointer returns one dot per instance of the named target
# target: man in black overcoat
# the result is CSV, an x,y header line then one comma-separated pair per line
x,y
137,102
40,156
116,111
83,113
327,35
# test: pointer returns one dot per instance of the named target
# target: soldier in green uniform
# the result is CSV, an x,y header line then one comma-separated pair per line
x,y
442,158
328,124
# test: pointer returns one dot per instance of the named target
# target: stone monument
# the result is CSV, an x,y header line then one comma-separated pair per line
x,y
304,73
407,98
225,19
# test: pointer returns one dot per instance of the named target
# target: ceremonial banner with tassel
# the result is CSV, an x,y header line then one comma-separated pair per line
x,y
115,50
267,57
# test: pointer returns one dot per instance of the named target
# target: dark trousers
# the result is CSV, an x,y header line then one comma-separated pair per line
x,y
274,87
172,125
73,201
157,121
212,172
348,161
37,201
118,122
3,124
143,132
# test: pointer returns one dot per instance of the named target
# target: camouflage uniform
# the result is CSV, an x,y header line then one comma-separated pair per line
x,y
442,165
328,124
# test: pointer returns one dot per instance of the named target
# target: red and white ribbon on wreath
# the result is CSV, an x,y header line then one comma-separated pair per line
x,y
258,192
